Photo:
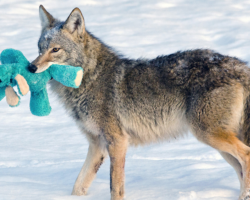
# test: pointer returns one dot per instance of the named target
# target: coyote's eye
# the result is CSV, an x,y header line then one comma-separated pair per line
x,y
55,49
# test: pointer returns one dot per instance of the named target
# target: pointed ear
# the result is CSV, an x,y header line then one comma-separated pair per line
x,y
46,18
75,22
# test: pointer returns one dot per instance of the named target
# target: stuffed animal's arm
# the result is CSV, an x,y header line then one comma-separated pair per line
x,y
12,98
22,84
67,75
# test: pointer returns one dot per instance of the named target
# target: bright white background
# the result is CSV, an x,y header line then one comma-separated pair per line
x,y
40,157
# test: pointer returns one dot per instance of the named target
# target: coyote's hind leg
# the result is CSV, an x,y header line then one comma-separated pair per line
x,y
235,164
226,141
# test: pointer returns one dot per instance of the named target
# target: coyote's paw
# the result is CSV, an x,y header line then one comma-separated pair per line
x,y
79,191
247,196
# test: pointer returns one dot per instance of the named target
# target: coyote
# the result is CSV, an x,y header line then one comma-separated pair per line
x,y
124,102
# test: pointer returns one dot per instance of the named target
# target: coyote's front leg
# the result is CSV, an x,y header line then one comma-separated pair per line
x,y
117,148
95,157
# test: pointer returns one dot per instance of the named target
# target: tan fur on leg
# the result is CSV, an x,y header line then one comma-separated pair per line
x,y
227,141
117,152
236,165
94,160
11,96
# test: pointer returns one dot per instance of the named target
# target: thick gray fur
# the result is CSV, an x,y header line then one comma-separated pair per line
x,y
135,102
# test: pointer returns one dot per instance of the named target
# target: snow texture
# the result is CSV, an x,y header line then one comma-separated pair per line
x,y
40,158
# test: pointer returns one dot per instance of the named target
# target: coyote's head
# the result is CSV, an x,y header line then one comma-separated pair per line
x,y
60,42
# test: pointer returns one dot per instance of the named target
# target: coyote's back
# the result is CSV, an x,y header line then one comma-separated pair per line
x,y
123,101
164,97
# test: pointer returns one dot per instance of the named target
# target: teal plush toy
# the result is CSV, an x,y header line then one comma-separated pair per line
x,y
14,71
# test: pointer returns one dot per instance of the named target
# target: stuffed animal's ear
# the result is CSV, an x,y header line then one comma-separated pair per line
x,y
22,84
75,22
11,97
46,18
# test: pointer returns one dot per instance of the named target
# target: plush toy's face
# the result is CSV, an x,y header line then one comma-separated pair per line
x,y
60,42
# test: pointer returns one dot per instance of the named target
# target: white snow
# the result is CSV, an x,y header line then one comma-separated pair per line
x,y
40,157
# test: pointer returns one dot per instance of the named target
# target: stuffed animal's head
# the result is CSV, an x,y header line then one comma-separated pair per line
x,y
12,62
5,82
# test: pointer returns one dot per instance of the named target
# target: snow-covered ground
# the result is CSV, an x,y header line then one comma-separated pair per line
x,y
40,158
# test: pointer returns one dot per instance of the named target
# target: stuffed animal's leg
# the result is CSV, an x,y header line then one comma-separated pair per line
x,y
12,98
67,75
39,103
2,92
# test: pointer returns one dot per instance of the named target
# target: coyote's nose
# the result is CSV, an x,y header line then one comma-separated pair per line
x,y
32,68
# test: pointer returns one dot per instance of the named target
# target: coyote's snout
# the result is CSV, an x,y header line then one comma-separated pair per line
x,y
44,61
124,102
